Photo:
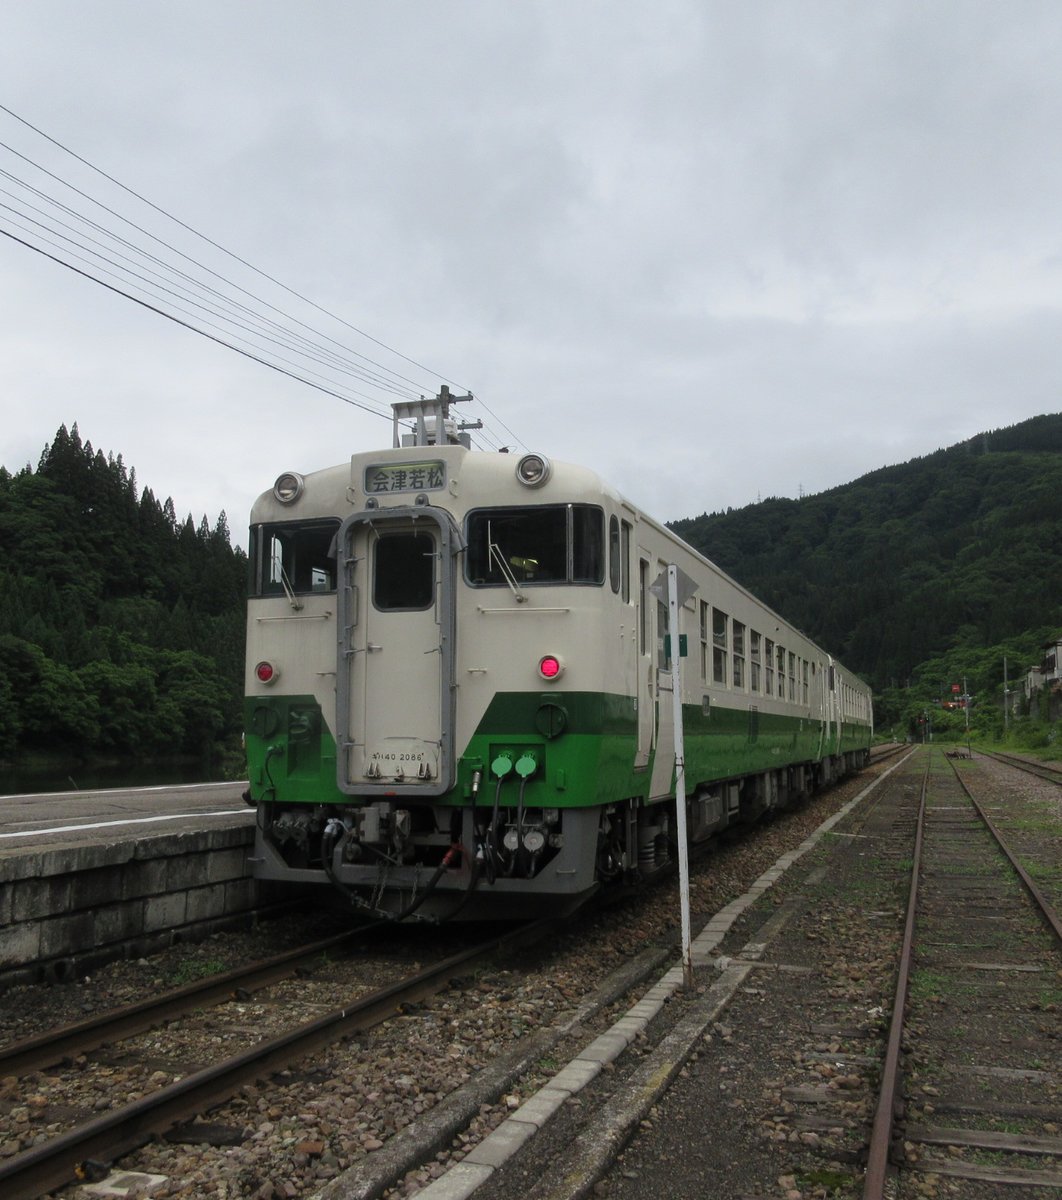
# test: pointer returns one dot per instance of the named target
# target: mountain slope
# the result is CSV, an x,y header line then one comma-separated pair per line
x,y
963,546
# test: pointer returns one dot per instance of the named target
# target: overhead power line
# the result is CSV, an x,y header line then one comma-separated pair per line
x,y
172,283
170,317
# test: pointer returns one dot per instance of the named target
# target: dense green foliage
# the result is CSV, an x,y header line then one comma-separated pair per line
x,y
121,629
916,573
984,671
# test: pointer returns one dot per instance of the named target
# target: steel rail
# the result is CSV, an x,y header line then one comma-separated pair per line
x,y
57,1162
1047,910
884,753
881,1130
66,1041
1040,770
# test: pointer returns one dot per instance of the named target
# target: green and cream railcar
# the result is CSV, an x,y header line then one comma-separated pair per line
x,y
458,692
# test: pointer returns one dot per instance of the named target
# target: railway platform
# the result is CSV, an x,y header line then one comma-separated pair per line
x,y
86,877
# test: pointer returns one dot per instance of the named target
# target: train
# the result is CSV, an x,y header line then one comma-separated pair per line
x,y
460,690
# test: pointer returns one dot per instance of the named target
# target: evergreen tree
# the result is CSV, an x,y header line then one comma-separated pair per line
x,y
120,629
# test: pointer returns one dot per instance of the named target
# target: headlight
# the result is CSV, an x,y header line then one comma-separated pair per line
x,y
288,487
533,470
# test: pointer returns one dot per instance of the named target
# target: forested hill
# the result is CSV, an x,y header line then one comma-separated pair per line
x,y
961,547
121,628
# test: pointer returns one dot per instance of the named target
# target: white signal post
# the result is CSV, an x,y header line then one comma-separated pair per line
x,y
680,587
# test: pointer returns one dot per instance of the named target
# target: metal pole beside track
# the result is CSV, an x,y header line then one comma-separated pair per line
x,y
680,771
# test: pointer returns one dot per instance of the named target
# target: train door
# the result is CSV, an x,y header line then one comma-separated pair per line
x,y
833,740
664,734
645,670
395,677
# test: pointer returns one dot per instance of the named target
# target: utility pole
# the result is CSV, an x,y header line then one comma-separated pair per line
x,y
966,710
1006,698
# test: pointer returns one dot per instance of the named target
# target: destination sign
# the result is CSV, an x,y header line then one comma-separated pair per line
x,y
405,477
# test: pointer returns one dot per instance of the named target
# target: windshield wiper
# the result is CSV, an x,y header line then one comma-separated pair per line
x,y
289,591
494,555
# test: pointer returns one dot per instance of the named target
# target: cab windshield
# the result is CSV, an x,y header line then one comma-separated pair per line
x,y
295,558
546,544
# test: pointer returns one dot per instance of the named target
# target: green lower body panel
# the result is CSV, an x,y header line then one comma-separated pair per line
x,y
291,752
576,750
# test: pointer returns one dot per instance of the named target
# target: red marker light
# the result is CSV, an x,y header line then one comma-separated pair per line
x,y
550,667
265,672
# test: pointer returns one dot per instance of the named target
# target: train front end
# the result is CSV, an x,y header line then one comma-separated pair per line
x,y
407,715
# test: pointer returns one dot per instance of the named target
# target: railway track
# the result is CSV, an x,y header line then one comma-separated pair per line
x,y
492,994
1039,769
880,754
783,1094
82,1037
975,1009
77,1152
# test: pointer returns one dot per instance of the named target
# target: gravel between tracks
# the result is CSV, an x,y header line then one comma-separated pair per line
x,y
292,1134
775,1097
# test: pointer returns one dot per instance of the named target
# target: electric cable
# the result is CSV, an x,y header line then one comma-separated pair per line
x,y
187,325
203,295
196,233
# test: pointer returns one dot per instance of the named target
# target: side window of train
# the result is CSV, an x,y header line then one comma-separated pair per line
x,y
662,659
403,577
586,526
738,630
626,529
643,607
297,558
619,557
754,660
719,646
615,563
704,640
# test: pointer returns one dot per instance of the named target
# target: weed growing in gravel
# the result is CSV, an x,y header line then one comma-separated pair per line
x,y
836,1183
1031,823
192,970
1015,1128
963,868
928,985
1048,999
999,1159
1044,872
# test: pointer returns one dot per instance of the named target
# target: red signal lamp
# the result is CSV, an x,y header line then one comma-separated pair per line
x,y
550,667
265,672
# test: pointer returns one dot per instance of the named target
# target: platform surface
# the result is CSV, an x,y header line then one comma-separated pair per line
x,y
31,823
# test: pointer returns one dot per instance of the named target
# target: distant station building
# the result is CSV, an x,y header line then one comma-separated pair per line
x,y
1043,684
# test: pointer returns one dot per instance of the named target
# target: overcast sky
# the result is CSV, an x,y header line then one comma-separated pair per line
x,y
714,250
